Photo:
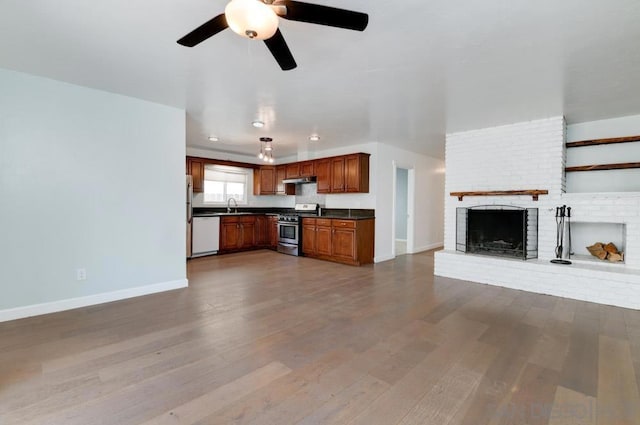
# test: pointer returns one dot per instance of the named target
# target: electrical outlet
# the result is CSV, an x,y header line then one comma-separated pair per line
x,y
81,274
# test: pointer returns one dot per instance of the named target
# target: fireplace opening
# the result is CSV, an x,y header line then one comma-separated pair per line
x,y
501,231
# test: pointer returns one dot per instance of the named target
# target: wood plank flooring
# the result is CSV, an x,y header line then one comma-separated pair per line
x,y
265,338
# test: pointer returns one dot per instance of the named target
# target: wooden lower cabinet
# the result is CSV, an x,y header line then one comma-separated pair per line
x,y
323,237
273,232
237,233
247,232
229,233
344,244
309,236
261,233
342,240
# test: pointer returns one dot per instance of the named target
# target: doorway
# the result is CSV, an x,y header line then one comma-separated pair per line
x,y
402,240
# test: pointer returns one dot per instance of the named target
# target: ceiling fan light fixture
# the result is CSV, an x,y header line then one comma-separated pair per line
x,y
251,19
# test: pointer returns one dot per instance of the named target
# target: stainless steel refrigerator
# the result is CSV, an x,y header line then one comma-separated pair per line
x,y
189,213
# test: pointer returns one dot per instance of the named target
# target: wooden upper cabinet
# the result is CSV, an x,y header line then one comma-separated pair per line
x,y
195,167
323,174
292,171
282,188
307,169
337,174
264,181
356,173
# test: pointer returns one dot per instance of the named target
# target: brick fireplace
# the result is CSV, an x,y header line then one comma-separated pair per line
x,y
532,155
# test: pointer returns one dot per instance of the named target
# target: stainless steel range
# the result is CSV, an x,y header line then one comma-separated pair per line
x,y
290,228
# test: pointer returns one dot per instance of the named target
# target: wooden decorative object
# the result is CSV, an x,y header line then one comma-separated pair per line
x,y
606,252
599,167
596,142
614,258
534,193
597,250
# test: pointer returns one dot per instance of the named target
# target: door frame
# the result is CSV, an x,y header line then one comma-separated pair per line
x,y
411,185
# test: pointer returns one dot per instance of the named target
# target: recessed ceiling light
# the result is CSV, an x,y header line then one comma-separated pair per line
x,y
257,124
314,137
213,139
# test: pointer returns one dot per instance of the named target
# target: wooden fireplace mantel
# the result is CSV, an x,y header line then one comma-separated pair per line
x,y
534,193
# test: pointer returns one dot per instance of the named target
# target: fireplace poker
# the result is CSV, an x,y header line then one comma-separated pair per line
x,y
560,226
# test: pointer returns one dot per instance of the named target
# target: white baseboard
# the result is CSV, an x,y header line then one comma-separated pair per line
x,y
382,258
71,303
417,249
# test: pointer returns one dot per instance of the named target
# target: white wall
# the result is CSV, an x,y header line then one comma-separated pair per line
x,y
92,180
428,232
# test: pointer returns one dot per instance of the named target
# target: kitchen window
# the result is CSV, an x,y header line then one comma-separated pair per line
x,y
222,183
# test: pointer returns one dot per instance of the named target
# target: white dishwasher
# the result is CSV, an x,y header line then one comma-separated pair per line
x,y
205,236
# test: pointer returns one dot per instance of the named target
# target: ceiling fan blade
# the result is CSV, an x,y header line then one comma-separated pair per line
x,y
280,51
324,15
204,31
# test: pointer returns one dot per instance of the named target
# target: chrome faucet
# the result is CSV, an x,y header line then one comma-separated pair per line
x,y
234,203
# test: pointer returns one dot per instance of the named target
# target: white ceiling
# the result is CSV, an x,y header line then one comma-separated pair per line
x,y
422,68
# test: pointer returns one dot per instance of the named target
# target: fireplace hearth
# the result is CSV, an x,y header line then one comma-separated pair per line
x,y
500,231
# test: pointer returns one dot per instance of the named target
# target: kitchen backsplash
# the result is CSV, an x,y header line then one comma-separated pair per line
x,y
307,194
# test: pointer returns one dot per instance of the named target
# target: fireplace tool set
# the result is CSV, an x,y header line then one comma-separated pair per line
x,y
562,226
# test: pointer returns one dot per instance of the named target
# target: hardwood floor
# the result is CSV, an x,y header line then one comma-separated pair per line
x,y
265,338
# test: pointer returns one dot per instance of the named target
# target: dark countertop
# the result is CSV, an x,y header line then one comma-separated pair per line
x,y
340,217
339,213
224,214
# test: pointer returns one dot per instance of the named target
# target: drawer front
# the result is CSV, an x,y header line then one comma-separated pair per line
x,y
229,219
248,219
323,222
347,224
308,221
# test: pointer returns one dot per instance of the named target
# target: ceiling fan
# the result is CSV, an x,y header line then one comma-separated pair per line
x,y
258,19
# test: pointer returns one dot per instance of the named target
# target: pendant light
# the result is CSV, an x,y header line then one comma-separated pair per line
x,y
266,150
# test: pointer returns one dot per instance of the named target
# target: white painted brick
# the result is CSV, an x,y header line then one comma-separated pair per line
x,y
532,155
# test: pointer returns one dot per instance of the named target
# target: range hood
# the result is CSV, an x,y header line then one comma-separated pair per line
x,y
300,180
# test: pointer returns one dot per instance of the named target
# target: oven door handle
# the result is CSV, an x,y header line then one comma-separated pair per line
x,y
290,245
